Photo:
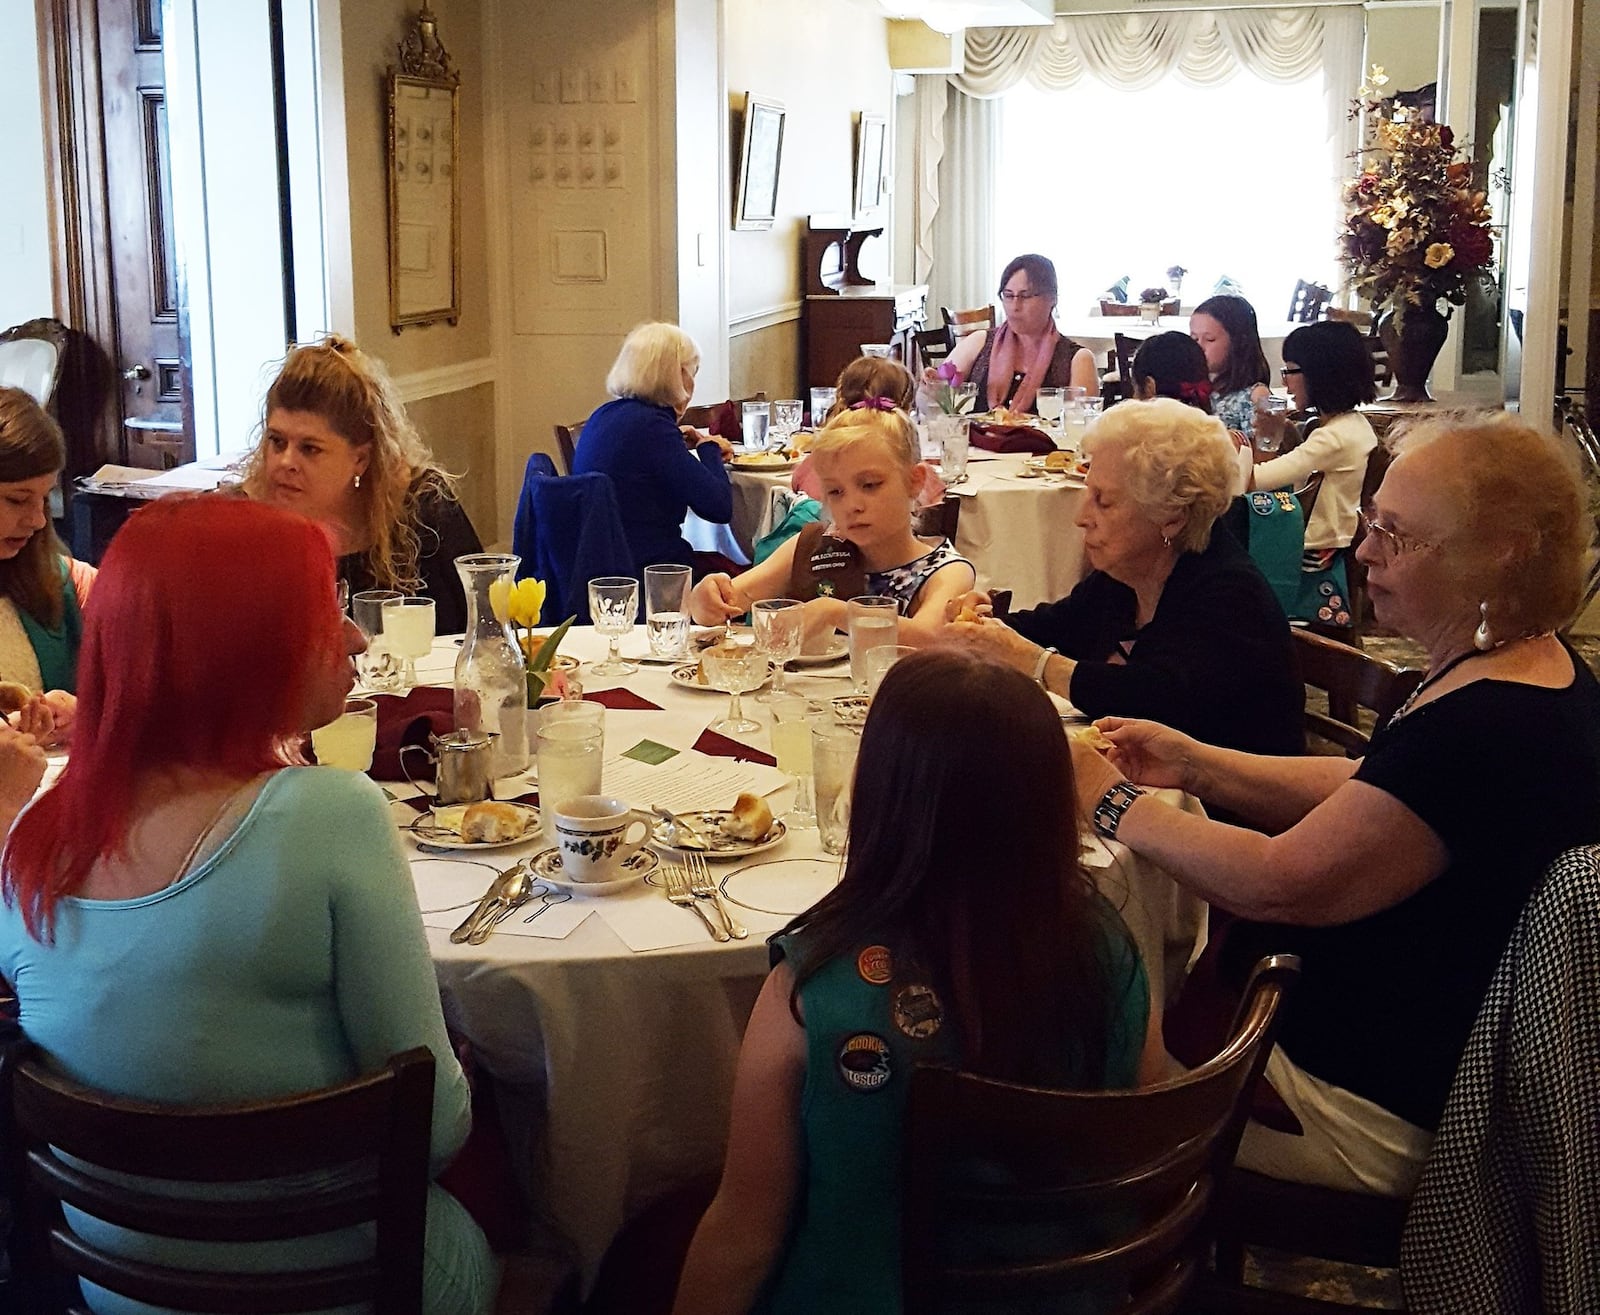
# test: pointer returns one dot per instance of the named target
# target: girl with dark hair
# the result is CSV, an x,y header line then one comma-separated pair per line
x,y
1326,369
1027,352
42,590
1225,328
964,931
1173,365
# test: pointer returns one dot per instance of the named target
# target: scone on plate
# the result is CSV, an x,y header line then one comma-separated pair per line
x,y
1092,737
491,823
750,818
14,696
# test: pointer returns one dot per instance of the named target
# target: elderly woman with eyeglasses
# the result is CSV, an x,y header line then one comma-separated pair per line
x,y
1027,352
1398,878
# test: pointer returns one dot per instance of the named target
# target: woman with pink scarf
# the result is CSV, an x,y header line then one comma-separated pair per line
x,y
1027,352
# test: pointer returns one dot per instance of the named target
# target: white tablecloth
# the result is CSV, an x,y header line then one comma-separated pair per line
x,y
1019,534
616,1068
1097,333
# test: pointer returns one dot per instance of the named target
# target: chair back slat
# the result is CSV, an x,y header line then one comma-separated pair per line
x,y
1308,302
940,519
1352,679
368,1139
959,323
933,345
1133,1172
567,444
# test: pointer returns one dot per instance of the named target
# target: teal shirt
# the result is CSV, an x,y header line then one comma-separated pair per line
x,y
863,1038
293,958
57,650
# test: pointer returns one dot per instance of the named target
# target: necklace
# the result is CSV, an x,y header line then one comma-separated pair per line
x,y
1434,677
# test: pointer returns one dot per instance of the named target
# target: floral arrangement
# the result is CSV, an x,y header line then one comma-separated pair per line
x,y
950,402
520,602
1153,296
1417,229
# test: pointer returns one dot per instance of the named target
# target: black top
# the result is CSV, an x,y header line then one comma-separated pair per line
x,y
1507,776
1216,660
444,533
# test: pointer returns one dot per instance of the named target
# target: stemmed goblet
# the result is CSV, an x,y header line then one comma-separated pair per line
x,y
614,605
780,626
737,668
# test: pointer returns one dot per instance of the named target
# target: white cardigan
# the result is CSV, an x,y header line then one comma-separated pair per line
x,y
1338,448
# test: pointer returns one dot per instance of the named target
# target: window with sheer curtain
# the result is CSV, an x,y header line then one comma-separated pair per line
x,y
1231,179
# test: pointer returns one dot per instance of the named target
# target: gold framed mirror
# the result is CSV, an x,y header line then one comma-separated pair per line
x,y
424,181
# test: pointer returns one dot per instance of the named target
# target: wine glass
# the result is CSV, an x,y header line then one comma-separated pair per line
x,y
408,633
780,626
737,668
613,604
1052,404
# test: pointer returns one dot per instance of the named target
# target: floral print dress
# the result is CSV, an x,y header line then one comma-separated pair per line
x,y
904,583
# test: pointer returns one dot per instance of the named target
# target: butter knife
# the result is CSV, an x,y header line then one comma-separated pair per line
x,y
489,897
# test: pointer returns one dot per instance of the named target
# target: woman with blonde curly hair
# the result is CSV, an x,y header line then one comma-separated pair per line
x,y
1173,617
337,446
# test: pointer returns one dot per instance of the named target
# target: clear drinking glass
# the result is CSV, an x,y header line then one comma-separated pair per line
x,y
966,398
786,417
737,668
408,633
378,668
571,739
666,610
613,605
874,622
833,761
954,444
1273,406
822,399
349,739
791,745
780,626
1052,404
757,417
880,659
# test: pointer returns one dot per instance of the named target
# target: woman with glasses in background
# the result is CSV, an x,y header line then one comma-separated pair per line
x,y
1326,369
1397,878
1027,352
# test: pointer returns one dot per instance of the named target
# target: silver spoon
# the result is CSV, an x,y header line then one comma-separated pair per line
x,y
512,894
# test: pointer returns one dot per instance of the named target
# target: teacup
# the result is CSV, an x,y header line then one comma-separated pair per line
x,y
594,833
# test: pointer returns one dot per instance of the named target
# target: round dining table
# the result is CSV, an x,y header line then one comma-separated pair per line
x,y
611,1023
1019,533
1098,333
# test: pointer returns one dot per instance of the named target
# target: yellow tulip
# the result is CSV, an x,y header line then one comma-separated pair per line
x,y
527,601
500,598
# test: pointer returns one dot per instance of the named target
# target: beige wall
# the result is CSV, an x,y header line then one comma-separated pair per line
x,y
1405,40
826,60
459,427
24,214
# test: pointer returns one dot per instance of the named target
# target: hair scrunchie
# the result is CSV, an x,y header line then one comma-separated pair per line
x,y
875,404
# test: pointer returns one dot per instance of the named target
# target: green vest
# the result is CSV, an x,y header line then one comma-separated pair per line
x,y
57,650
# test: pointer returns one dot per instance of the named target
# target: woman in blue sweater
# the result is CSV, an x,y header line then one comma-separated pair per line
x,y
661,471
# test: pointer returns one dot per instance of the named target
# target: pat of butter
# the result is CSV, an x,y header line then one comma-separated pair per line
x,y
450,817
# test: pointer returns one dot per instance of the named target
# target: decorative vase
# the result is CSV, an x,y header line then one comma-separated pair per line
x,y
1150,312
1413,346
491,682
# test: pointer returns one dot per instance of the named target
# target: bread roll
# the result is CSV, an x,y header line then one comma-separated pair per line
x,y
750,819
1092,737
491,823
14,697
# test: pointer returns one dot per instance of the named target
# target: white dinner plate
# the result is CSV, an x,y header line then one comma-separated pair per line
x,y
688,677
709,821
781,887
546,866
763,467
446,834
838,648
851,709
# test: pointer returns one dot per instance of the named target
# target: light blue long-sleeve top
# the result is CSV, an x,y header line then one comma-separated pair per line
x,y
291,959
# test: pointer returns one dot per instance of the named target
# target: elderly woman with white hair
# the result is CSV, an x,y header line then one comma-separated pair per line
x,y
1175,623
661,471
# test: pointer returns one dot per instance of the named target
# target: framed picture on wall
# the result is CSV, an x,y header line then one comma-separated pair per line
x,y
760,157
872,131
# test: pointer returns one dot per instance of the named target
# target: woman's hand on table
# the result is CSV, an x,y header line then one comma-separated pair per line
x,y
1149,753
996,641
975,601
716,600
63,708
22,764
1092,775
1273,427
696,439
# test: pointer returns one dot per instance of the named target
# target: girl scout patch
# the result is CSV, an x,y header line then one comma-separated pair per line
x,y
917,1011
875,965
864,1061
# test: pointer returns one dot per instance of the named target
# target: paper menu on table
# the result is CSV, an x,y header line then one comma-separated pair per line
x,y
688,782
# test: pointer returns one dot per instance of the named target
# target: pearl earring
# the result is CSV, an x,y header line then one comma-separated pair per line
x,y
1481,639
358,481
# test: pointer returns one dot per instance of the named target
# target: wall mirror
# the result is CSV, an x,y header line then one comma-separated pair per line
x,y
424,181
871,135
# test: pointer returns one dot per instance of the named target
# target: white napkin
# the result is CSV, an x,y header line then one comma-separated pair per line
x,y
645,919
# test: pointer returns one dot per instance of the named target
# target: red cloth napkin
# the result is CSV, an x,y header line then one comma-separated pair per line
x,y
624,700
1009,438
425,710
720,746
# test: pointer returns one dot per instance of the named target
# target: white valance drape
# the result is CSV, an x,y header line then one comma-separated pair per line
x,y
1138,50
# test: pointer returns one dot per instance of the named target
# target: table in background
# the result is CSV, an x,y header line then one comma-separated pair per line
x,y
1020,534
616,1068
1096,332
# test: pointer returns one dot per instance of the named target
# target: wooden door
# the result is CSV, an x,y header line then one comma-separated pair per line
x,y
116,254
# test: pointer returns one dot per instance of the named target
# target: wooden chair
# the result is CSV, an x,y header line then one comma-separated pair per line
x,y
1127,309
1352,680
959,323
939,520
701,416
1126,349
1121,1181
933,345
1308,302
1382,372
1575,424
1307,493
31,356
373,1130
567,444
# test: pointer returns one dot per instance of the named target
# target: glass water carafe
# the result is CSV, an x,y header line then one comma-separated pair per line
x,y
491,688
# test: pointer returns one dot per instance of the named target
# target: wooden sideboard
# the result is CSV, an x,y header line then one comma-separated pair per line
x,y
835,325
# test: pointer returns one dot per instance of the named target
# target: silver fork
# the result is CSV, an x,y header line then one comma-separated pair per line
x,y
679,893
704,888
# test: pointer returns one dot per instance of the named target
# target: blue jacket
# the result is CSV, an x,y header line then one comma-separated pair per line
x,y
658,480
